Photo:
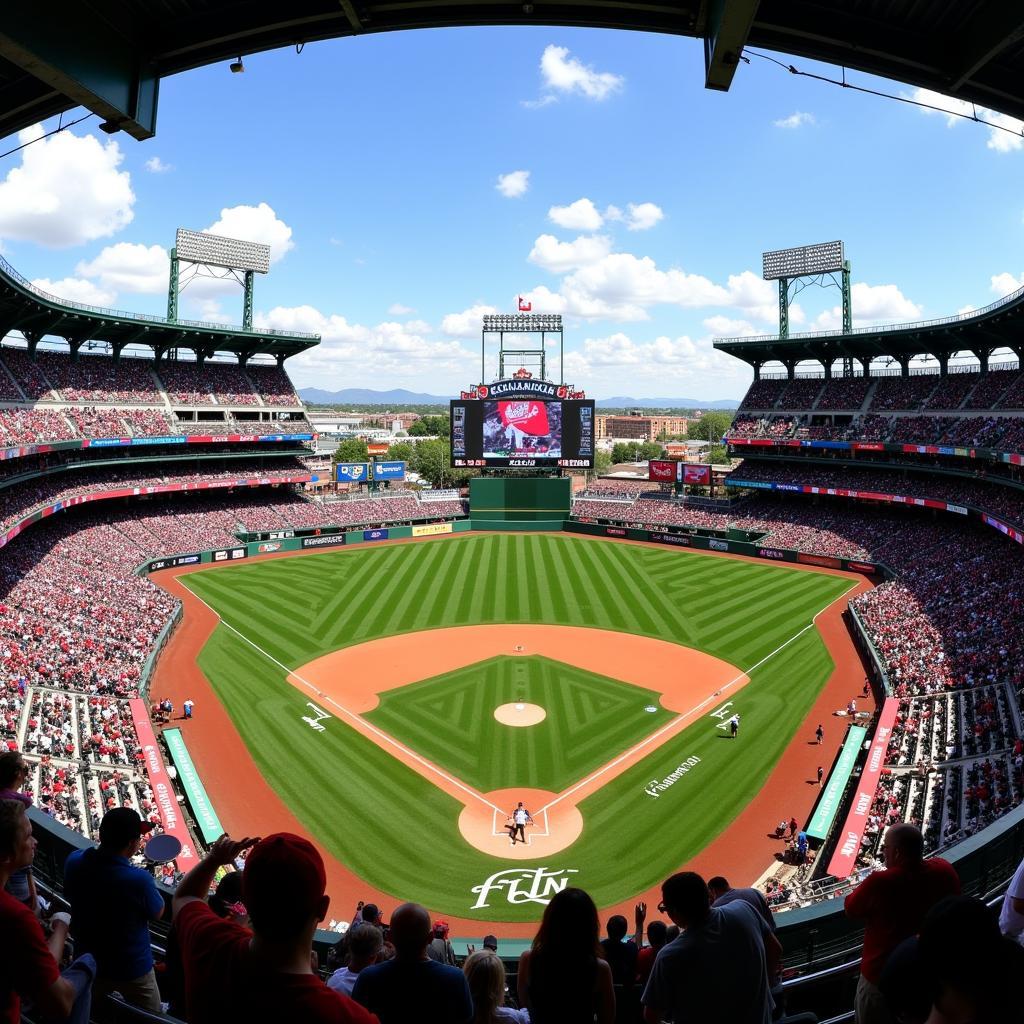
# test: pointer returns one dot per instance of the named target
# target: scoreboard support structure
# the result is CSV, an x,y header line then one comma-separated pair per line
x,y
520,420
533,334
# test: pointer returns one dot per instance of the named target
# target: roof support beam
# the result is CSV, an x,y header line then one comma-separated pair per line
x,y
728,28
994,27
75,52
351,15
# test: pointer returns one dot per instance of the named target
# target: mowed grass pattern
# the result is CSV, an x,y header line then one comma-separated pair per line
x,y
400,832
451,719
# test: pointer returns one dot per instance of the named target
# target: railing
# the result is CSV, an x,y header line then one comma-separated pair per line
x,y
917,371
79,307
917,325
150,663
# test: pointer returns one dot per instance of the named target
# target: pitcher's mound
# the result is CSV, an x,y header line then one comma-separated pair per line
x,y
520,714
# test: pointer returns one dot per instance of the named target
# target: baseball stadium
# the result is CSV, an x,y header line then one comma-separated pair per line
x,y
477,697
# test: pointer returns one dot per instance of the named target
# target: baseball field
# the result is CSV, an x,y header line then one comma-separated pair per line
x,y
401,698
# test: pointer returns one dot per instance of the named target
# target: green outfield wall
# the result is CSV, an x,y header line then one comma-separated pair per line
x,y
519,499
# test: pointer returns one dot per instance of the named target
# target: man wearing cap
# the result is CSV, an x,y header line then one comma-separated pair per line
x,y
112,903
233,974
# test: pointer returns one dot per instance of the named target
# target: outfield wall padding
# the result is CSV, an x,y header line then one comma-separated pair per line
x,y
519,499
520,525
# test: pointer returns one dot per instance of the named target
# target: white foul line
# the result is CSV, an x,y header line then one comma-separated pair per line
x,y
379,733
686,714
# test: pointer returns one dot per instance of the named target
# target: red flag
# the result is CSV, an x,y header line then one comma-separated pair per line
x,y
524,307
528,417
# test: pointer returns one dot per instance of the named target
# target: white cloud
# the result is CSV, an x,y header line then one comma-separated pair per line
x,y
963,310
872,304
397,309
386,355
156,166
255,224
579,216
622,278
467,323
514,184
642,216
538,104
882,302
66,191
795,120
130,267
604,363
757,297
1000,126
1003,284
725,327
558,257
74,289
564,74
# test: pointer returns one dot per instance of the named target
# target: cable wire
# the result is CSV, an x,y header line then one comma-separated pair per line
x,y
60,128
844,84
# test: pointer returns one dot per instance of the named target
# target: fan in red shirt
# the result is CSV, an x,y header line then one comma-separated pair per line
x,y
232,973
892,904
28,967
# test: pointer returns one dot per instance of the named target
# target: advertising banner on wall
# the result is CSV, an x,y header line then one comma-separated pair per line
x,y
202,808
327,540
661,470
695,473
163,792
831,797
375,534
431,529
389,471
848,846
352,472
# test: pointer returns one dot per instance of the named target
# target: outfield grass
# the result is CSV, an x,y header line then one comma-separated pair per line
x,y
450,719
372,812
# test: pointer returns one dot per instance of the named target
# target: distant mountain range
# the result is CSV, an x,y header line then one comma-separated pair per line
x,y
399,396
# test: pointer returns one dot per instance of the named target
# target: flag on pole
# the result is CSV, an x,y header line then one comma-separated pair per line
x,y
524,307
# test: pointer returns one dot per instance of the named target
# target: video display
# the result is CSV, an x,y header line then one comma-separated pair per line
x,y
522,433
522,428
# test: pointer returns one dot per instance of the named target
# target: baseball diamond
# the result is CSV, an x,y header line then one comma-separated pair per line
x,y
398,656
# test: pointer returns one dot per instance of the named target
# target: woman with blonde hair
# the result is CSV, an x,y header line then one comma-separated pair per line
x,y
485,975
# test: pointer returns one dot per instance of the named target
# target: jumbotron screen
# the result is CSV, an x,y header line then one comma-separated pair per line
x,y
522,433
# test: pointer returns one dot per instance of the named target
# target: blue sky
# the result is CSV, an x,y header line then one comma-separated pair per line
x,y
383,173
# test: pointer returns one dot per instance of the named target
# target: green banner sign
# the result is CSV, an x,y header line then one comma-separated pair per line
x,y
206,817
828,806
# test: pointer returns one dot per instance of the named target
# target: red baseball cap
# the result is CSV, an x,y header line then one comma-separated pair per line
x,y
284,877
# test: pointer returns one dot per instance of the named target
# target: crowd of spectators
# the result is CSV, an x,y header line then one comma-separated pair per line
x,y
1005,502
92,378
903,392
18,501
66,423
99,378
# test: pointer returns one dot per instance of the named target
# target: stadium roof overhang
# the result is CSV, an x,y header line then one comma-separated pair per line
x,y
109,57
998,326
36,314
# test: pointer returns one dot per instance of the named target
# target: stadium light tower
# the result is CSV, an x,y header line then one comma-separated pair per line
x,y
799,268
533,332
207,254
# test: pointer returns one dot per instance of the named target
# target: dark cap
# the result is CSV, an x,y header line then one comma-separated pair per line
x,y
371,913
284,878
490,942
122,826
